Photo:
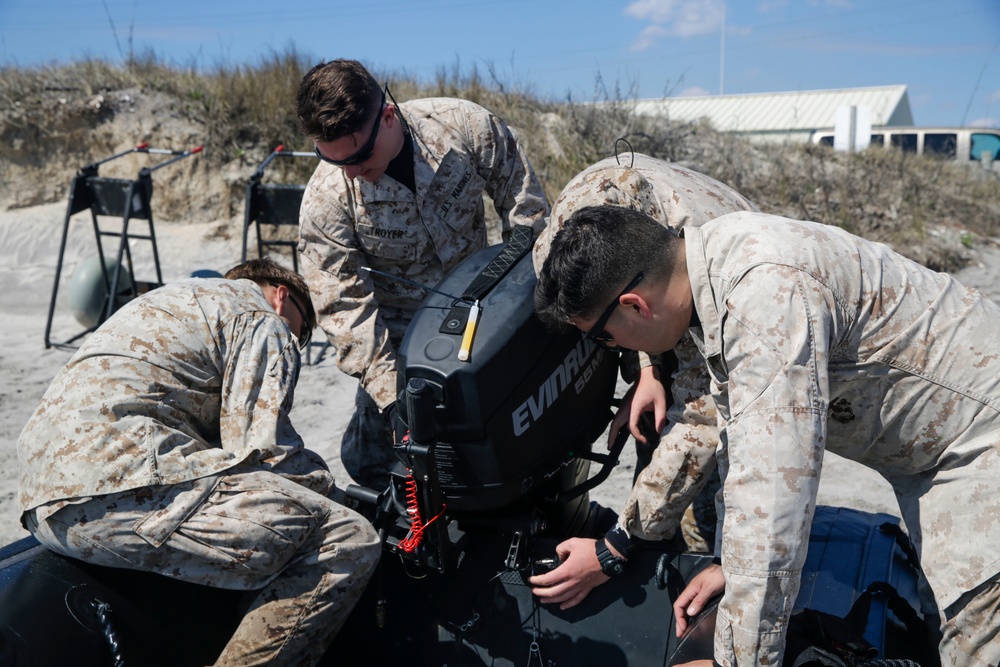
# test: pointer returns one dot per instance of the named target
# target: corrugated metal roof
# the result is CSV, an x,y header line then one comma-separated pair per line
x,y
804,110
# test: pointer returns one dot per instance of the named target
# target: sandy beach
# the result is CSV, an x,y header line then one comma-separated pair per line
x,y
29,248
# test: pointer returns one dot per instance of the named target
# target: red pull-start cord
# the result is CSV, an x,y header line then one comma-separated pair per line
x,y
415,536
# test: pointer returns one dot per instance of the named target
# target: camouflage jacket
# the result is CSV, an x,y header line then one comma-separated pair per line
x,y
184,382
816,340
675,197
461,151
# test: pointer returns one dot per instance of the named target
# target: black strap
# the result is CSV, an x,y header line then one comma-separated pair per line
x,y
516,248
903,542
916,628
815,656
820,638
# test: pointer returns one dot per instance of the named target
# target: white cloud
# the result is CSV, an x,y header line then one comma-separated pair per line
x,y
774,5
657,11
700,18
985,122
693,91
647,37
680,18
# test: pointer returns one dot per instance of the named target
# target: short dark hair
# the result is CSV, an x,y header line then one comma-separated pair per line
x,y
336,99
265,271
594,255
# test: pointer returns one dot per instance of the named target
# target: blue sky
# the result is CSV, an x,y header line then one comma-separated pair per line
x,y
946,51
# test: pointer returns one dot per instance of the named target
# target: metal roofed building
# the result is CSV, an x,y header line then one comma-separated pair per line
x,y
790,116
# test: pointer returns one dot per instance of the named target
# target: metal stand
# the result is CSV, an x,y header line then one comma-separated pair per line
x,y
128,199
273,204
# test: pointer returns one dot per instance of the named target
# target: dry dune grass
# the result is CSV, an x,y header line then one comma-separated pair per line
x,y
55,119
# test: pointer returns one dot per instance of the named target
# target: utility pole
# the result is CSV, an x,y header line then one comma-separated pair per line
x,y
722,53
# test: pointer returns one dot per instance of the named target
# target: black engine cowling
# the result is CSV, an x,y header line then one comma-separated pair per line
x,y
525,404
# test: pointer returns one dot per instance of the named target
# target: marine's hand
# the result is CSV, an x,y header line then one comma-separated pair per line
x,y
650,396
697,663
646,395
579,573
706,585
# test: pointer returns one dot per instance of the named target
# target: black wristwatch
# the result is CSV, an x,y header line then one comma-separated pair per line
x,y
611,565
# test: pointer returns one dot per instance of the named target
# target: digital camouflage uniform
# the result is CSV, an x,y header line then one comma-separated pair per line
x,y
674,197
165,445
818,340
461,151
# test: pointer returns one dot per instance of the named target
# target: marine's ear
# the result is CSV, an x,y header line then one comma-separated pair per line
x,y
636,302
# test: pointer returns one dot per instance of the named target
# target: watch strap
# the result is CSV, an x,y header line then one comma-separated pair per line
x,y
611,565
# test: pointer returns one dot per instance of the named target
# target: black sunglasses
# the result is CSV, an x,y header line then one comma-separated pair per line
x,y
597,332
305,333
365,152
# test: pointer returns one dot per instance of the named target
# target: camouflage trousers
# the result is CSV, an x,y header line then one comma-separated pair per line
x,y
366,449
971,631
309,557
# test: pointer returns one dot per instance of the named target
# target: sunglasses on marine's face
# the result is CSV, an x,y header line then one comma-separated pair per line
x,y
364,153
305,333
597,332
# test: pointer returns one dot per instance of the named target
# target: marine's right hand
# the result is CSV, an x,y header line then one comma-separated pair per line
x,y
578,573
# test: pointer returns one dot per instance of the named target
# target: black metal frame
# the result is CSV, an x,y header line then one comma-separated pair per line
x,y
129,199
272,204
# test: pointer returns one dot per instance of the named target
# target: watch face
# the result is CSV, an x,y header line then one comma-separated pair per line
x,y
611,565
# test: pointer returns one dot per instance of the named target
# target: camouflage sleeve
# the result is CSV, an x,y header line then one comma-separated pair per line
x,y
344,296
777,353
510,180
645,359
262,366
685,457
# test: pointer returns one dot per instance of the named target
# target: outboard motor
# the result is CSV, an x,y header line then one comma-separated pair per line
x,y
500,412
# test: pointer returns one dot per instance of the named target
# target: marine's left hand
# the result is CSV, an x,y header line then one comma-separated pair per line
x,y
646,395
703,587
